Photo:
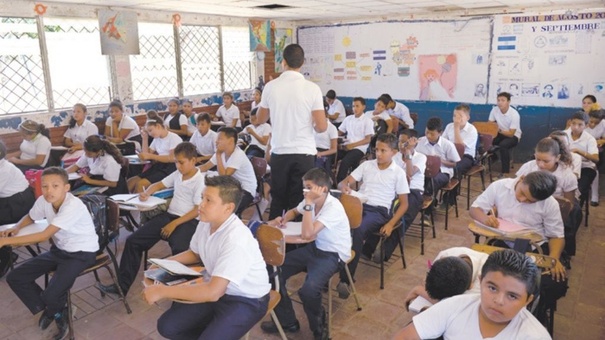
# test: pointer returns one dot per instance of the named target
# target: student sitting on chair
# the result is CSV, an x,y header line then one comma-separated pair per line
x,y
259,136
237,295
359,129
79,129
74,248
229,112
460,131
34,151
176,225
104,162
120,128
509,282
585,145
509,128
16,195
232,161
400,114
382,182
191,118
175,121
161,151
326,144
336,110
576,160
325,224
596,128
380,113
204,138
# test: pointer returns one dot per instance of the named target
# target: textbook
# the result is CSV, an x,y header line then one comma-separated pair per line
x,y
161,275
419,304
174,267
505,228
133,200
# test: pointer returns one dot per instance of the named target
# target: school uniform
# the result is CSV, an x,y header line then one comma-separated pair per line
x,y
402,112
469,137
290,99
175,122
191,123
30,149
74,249
506,121
586,143
133,140
323,142
187,194
231,253
106,168
356,128
320,260
445,150
229,114
79,133
477,259
337,106
381,187
206,144
598,133
162,146
244,173
16,196
255,148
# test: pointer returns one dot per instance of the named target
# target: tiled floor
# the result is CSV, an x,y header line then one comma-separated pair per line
x,y
580,315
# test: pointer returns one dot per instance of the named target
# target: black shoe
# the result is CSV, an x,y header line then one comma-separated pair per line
x,y
108,289
271,328
45,321
594,204
7,258
62,321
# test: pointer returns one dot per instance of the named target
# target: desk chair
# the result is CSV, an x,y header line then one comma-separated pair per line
x,y
396,233
452,187
260,170
433,168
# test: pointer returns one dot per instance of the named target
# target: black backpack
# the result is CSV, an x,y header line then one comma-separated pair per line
x,y
97,207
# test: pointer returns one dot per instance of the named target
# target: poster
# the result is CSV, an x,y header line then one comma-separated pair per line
x,y
119,32
260,35
283,38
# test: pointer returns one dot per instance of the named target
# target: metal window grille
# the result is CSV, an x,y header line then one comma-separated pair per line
x,y
200,59
154,70
79,72
21,76
237,59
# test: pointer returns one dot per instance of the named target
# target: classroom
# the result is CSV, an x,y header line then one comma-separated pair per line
x,y
151,109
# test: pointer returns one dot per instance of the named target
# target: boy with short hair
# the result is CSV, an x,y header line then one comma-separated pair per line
x,y
400,114
596,128
259,136
74,248
237,295
509,282
380,113
229,112
326,144
324,220
232,161
336,110
382,182
585,145
460,131
204,138
176,225
509,128
359,129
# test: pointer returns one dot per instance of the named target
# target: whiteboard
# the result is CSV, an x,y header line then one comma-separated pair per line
x,y
421,60
548,60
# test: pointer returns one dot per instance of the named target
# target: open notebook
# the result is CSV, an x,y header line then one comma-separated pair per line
x,y
505,228
133,200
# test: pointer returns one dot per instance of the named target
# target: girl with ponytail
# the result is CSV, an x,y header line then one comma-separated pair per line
x,y
35,148
79,128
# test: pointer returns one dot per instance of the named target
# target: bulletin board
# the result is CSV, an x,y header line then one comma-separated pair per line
x,y
421,60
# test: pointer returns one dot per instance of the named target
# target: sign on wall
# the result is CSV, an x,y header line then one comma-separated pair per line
x,y
119,32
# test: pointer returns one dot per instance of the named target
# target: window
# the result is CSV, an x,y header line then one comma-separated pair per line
x,y
237,59
200,59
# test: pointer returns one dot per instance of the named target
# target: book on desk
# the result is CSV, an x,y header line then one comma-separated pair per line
x,y
505,228
170,272
134,200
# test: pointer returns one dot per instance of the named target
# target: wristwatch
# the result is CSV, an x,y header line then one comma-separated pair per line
x,y
308,207
409,157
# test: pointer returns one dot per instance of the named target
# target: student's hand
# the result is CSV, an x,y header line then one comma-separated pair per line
x,y
491,221
558,272
457,121
276,222
144,156
600,142
387,229
85,178
143,196
314,193
348,147
413,294
346,189
412,142
153,294
9,232
168,230
71,150
248,128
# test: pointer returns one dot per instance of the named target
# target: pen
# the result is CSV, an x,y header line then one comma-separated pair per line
x,y
283,219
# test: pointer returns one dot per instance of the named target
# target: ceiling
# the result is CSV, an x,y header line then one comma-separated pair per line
x,y
309,10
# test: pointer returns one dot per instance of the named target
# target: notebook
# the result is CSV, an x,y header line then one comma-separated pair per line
x,y
161,275
505,228
133,200
174,267
418,304
292,229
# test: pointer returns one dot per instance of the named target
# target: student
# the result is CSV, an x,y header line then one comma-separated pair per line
x,y
104,161
324,221
433,145
588,104
34,150
161,151
509,128
359,130
380,113
400,114
454,271
191,118
509,282
237,295
576,160
204,138
174,120
460,131
16,196
259,136
79,128
326,144
382,182
585,145
245,115
336,110
232,161
596,128
229,112
74,248
120,128
177,225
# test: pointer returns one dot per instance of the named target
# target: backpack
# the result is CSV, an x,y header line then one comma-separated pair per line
x,y
97,207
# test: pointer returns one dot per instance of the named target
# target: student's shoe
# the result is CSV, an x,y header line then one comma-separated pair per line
x,y
45,321
343,290
322,332
594,204
108,289
7,258
271,328
61,319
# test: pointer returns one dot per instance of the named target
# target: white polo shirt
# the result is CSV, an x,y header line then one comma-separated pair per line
x,y
229,114
566,179
586,143
384,115
443,148
163,145
187,193
79,133
77,231
542,217
262,130
418,161
337,106
127,123
357,128
291,99
104,165
458,318
169,117
244,172
234,255
323,140
205,145
477,259
381,186
40,145
336,235
469,137
599,130
576,164
12,180
508,121
402,112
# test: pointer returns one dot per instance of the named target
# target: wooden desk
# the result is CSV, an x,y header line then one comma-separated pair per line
x,y
149,282
36,227
533,237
